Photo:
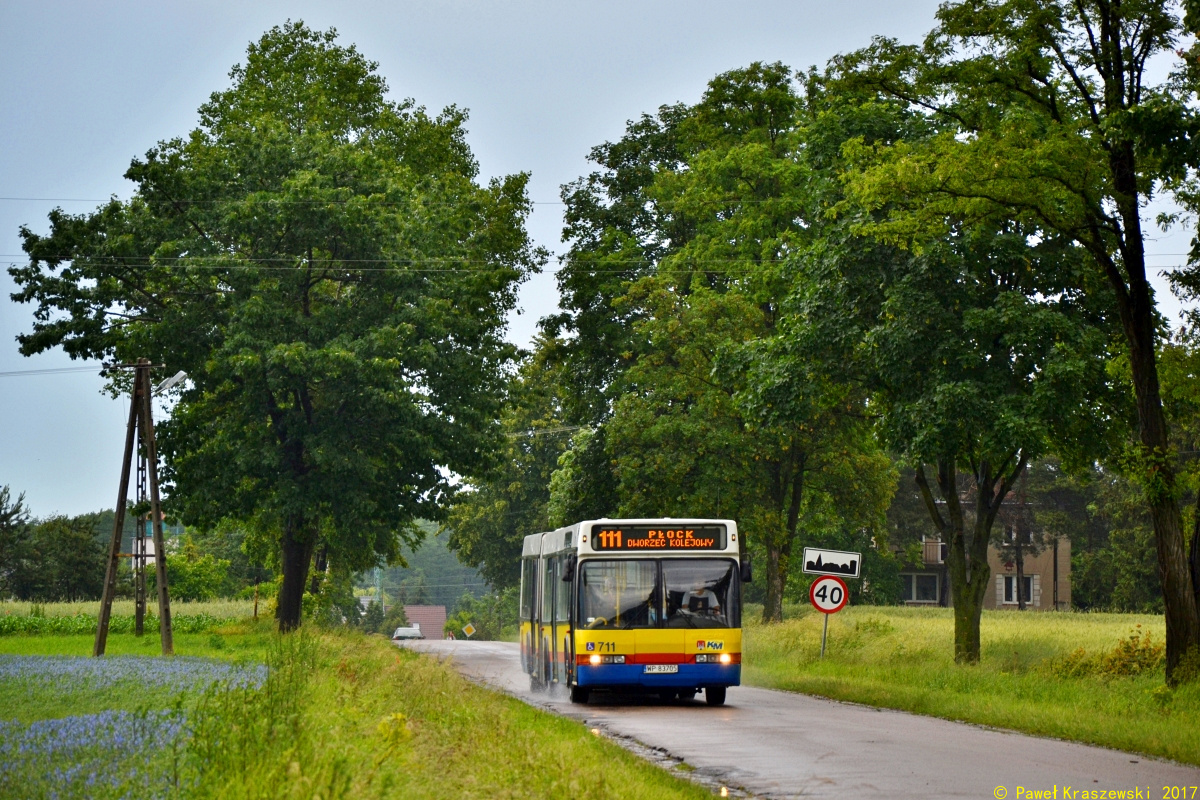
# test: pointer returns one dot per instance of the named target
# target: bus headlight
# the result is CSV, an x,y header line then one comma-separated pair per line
x,y
713,658
597,659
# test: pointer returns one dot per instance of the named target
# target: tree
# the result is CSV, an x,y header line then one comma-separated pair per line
x,y
978,364
14,535
193,574
1051,120
700,431
489,522
974,350
63,559
617,230
678,263
322,264
493,615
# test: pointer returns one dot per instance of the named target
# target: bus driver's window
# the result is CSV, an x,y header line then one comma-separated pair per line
x,y
619,594
600,597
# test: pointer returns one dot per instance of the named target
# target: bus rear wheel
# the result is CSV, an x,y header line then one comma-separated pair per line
x,y
579,694
715,695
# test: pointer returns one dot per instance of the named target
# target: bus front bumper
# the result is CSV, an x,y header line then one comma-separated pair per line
x,y
688,676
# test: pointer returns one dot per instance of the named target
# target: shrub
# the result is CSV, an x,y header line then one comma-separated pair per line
x,y
1135,654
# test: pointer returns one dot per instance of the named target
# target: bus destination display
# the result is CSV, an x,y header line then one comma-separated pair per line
x,y
653,537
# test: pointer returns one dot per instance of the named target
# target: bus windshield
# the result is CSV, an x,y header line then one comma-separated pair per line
x,y
648,593
619,594
701,593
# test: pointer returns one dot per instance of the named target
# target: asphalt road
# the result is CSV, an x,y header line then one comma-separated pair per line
x,y
783,745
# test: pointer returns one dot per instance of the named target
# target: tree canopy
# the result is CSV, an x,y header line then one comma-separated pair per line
x,y
1049,117
323,265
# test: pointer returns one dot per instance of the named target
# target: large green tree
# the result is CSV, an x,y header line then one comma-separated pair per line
x,y
321,262
490,520
1052,118
679,263
975,353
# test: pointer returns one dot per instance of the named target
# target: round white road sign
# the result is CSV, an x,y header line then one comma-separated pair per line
x,y
828,594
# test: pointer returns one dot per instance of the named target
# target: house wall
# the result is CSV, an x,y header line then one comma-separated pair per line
x,y
1041,569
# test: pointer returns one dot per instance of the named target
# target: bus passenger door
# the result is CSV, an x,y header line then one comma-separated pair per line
x,y
545,626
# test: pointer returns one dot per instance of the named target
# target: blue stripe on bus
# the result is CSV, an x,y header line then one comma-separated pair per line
x,y
689,675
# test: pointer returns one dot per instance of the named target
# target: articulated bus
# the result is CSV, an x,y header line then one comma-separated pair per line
x,y
634,605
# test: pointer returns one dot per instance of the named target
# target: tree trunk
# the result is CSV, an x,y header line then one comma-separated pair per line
x,y
1020,559
773,606
314,585
1194,552
966,562
297,546
1136,308
1158,478
789,494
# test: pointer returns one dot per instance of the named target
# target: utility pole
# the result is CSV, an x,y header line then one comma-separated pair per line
x,y
140,429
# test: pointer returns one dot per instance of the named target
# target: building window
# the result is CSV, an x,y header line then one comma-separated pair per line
x,y
920,588
1010,588
934,550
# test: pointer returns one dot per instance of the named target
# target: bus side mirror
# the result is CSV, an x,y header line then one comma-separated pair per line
x,y
747,573
569,568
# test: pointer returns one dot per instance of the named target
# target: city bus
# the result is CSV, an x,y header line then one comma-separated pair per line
x,y
649,605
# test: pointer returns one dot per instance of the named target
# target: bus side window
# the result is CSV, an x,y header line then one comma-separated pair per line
x,y
548,579
528,586
562,604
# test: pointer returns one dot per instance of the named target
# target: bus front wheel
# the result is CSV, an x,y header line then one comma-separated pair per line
x,y
579,694
715,695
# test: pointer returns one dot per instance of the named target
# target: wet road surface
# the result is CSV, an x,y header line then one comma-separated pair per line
x,y
783,745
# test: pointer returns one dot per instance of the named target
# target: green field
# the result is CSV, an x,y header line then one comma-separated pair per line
x,y
219,609
347,715
338,715
1067,675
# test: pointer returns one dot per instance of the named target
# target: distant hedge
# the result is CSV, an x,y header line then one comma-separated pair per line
x,y
85,623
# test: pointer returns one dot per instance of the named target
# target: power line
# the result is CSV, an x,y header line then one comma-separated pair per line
x,y
269,200
50,371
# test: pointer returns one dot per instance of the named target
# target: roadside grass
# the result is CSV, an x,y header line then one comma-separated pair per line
x,y
339,715
354,716
233,641
1095,678
219,609
80,618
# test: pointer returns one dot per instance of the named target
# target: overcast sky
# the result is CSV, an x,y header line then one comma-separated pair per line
x,y
85,87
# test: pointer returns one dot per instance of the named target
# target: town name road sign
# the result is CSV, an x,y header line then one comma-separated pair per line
x,y
831,562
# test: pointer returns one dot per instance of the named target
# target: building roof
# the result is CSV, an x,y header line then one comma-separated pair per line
x,y
431,618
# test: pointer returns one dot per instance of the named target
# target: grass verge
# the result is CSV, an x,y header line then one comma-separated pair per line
x,y
1091,678
339,716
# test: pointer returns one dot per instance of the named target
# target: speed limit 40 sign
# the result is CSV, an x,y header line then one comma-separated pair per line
x,y
828,594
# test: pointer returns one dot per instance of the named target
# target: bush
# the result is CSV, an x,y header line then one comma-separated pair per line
x,y
1136,654
395,618
373,619
493,615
